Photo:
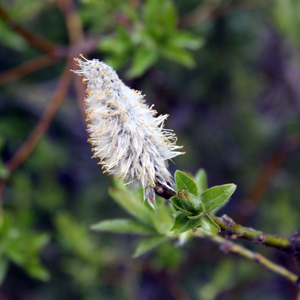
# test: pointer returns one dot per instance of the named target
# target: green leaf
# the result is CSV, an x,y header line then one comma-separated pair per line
x,y
184,182
182,224
160,13
217,196
143,59
36,270
201,180
123,226
178,55
185,39
149,243
179,204
208,224
118,45
131,204
162,219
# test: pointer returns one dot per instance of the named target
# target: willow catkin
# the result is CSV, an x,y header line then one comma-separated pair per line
x,y
124,132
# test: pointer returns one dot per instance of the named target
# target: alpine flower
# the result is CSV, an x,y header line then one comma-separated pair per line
x,y
125,135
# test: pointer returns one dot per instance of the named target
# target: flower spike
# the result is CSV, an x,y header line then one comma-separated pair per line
x,y
124,132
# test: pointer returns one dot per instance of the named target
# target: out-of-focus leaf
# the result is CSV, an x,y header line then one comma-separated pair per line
x,y
74,236
185,40
162,219
149,243
201,181
178,55
160,13
183,182
287,16
36,270
208,224
217,196
143,59
38,241
124,226
182,224
131,204
118,44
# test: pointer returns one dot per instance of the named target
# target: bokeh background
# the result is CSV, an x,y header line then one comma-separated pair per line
x,y
227,72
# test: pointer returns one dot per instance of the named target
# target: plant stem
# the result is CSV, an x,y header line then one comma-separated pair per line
x,y
228,246
236,231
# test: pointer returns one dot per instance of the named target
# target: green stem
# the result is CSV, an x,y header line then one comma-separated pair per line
x,y
236,231
228,246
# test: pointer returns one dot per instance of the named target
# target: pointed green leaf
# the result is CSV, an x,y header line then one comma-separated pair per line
x,y
217,196
118,44
123,226
162,219
184,182
178,55
182,224
185,39
178,204
36,270
208,224
143,59
131,204
201,181
149,243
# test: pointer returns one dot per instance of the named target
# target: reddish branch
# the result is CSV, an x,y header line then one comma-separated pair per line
x,y
33,39
265,177
76,36
25,69
44,121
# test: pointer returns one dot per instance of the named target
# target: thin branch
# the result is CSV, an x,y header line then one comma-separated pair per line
x,y
44,61
76,36
33,39
228,246
72,20
44,122
235,231
41,127
265,177
26,68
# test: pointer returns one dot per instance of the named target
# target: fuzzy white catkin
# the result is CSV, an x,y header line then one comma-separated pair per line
x,y
124,132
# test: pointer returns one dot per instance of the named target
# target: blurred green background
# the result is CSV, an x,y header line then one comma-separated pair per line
x,y
227,72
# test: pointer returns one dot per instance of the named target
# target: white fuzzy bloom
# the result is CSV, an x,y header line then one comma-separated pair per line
x,y
124,132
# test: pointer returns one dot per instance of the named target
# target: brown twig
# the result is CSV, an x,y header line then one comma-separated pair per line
x,y
265,177
44,61
26,149
44,121
33,39
76,36
26,68
43,124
